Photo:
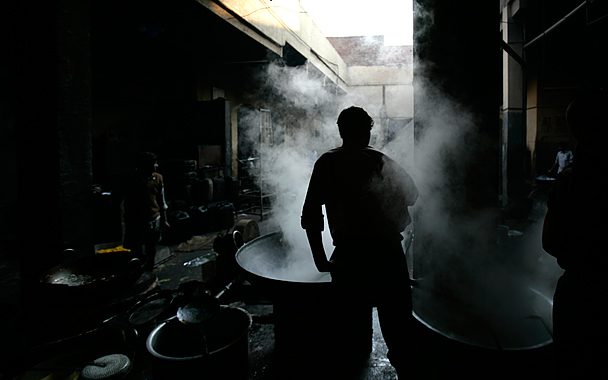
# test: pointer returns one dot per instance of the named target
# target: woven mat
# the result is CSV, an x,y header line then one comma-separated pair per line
x,y
197,243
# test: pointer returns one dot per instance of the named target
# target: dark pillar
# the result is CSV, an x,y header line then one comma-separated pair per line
x,y
53,132
456,103
515,160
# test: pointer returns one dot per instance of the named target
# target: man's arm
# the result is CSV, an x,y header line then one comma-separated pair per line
x,y
315,239
555,165
163,207
313,219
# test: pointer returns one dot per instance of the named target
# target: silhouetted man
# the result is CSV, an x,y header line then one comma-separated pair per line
x,y
366,195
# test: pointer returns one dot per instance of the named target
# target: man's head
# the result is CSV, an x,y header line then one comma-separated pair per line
x,y
355,124
146,161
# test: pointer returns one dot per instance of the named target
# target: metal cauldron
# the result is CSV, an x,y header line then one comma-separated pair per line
x,y
93,275
219,348
270,264
308,322
519,321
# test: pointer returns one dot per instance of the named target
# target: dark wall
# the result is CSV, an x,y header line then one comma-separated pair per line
x,y
147,59
53,128
45,117
570,58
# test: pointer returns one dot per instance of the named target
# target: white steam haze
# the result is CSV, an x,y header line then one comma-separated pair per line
x,y
457,247
287,166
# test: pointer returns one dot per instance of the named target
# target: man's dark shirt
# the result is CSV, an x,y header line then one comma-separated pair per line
x,y
365,194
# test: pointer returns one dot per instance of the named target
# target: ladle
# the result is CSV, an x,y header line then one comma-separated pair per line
x,y
197,312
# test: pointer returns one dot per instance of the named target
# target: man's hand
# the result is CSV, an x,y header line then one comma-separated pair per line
x,y
163,221
327,266
315,239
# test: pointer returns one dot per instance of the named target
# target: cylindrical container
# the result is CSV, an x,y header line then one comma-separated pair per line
x,y
202,191
219,189
201,220
226,216
181,226
248,228
182,351
232,188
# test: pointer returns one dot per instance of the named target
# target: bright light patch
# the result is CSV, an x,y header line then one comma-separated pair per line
x,y
341,18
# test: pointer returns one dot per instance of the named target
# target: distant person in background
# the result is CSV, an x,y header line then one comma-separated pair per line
x,y
145,208
574,232
366,196
563,159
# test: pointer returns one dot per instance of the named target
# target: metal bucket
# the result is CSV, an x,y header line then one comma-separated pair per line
x,y
220,348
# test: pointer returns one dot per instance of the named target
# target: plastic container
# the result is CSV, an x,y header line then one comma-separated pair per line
x,y
232,188
181,226
225,219
202,191
219,189
201,221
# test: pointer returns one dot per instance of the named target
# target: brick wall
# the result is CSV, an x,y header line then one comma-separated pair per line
x,y
370,51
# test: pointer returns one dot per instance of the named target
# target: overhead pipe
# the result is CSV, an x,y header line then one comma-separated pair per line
x,y
543,34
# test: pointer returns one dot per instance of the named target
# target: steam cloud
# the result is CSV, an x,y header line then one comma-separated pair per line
x,y
461,255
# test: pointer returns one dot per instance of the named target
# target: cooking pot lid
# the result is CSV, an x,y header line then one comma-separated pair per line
x,y
198,311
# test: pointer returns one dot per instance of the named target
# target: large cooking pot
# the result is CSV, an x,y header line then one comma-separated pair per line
x,y
308,323
101,274
279,269
508,316
519,319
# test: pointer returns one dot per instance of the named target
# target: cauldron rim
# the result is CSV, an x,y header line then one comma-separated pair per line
x,y
157,330
430,323
258,241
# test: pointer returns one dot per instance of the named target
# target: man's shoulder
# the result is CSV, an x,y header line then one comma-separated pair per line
x,y
347,151
333,151
374,151
330,154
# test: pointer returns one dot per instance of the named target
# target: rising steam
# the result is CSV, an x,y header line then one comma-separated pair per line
x,y
455,250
